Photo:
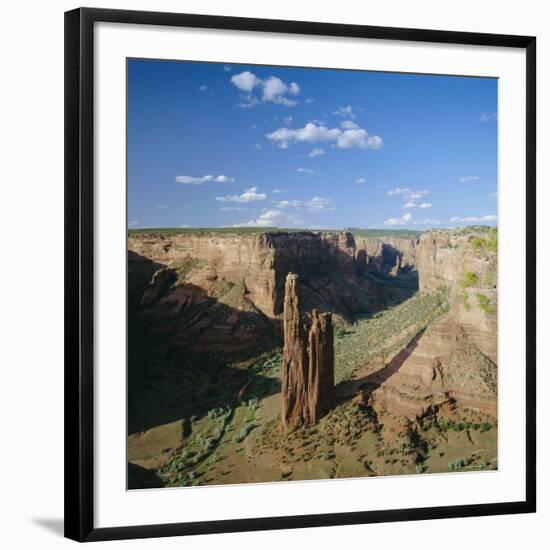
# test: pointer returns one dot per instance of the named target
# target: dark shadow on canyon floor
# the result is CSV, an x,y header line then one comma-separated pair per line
x,y
183,346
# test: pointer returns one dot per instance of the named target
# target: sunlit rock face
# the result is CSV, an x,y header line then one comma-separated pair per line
x,y
332,264
308,362
456,357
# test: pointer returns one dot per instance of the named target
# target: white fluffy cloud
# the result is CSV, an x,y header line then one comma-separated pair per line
x,y
305,170
360,180
415,195
271,89
425,205
316,204
399,191
486,117
193,180
406,218
245,81
278,190
288,204
348,124
410,204
317,152
474,219
346,111
468,179
272,218
407,193
427,221
267,219
312,133
249,195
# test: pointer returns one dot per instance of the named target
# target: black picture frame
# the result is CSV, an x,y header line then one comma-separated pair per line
x,y
79,266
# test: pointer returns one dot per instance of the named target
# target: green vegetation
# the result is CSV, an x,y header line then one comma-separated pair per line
x,y
487,243
478,242
185,266
245,430
469,278
459,464
386,332
485,303
465,301
492,240
396,233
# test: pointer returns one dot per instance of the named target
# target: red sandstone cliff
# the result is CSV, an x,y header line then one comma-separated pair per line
x,y
456,357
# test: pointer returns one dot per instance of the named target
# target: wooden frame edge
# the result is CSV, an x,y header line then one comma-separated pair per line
x,y
79,247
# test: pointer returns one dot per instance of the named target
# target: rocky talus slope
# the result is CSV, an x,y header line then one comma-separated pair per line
x,y
455,358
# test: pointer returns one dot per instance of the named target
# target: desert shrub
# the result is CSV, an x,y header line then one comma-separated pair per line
x,y
478,242
465,301
469,278
245,430
492,240
485,303
457,465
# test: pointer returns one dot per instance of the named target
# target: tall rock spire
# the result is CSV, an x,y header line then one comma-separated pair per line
x,y
308,362
321,365
295,364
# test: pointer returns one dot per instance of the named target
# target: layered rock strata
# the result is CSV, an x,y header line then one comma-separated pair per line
x,y
332,265
455,358
308,362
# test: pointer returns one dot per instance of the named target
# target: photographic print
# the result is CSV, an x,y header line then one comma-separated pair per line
x,y
312,276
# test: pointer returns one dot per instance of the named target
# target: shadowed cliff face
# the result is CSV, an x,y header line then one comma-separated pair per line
x,y
332,265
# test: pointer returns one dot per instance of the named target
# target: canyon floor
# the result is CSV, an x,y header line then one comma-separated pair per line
x,y
199,416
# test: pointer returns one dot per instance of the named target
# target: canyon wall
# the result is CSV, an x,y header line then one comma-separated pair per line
x,y
456,357
332,265
464,261
222,291
383,255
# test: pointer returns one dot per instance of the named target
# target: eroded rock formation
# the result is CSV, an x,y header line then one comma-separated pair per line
x,y
308,362
321,365
455,357
332,264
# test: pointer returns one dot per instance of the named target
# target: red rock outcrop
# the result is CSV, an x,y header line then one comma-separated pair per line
x,y
321,365
308,362
332,264
457,356
295,379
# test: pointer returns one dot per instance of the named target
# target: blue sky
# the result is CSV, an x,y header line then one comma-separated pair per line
x,y
213,145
